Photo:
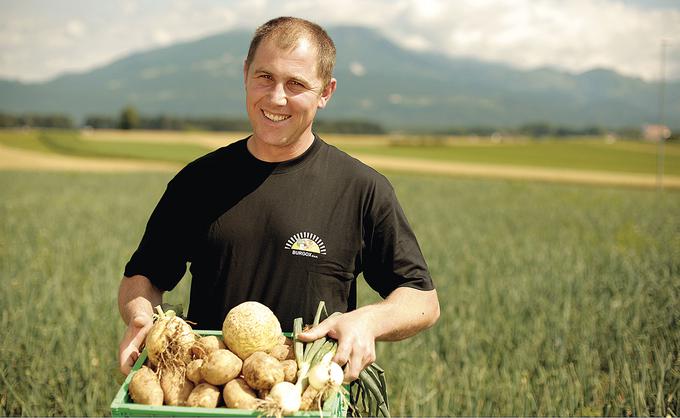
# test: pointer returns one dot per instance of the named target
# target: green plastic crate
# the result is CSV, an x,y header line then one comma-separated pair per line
x,y
122,405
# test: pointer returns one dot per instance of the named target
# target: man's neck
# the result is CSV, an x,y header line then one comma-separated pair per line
x,y
277,154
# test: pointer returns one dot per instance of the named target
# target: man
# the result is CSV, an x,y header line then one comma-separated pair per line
x,y
283,218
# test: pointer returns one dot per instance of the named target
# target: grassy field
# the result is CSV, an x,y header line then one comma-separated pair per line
x,y
592,154
556,299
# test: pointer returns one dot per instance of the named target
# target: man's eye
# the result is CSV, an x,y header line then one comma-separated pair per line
x,y
265,76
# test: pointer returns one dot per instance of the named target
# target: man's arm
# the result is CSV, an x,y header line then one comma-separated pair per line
x,y
136,298
404,313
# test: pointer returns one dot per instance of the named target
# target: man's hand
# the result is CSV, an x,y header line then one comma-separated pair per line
x,y
136,298
356,341
404,313
133,340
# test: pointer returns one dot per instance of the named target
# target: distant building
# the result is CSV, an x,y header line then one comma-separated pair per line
x,y
655,132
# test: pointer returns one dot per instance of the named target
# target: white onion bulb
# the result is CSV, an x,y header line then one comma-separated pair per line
x,y
321,376
287,396
336,374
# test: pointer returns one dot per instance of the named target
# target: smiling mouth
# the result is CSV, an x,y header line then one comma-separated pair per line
x,y
275,117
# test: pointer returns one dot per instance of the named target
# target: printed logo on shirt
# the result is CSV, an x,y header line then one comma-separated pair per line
x,y
306,244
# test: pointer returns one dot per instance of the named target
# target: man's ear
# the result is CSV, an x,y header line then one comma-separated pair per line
x,y
327,93
245,71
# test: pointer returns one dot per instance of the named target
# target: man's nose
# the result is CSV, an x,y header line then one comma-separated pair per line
x,y
278,95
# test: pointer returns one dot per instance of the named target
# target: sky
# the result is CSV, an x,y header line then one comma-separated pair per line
x,y
43,39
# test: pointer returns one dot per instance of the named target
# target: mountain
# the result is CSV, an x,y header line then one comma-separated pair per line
x,y
377,80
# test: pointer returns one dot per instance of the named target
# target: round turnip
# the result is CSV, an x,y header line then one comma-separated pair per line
x,y
250,327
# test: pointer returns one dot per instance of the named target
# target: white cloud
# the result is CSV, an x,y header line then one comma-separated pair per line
x,y
75,28
357,69
576,35
161,37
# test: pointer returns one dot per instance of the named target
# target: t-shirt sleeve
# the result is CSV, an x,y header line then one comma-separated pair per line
x,y
164,249
391,255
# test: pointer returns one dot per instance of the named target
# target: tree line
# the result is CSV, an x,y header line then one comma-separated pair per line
x,y
129,118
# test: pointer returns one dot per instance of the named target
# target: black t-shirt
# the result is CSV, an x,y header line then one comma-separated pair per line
x,y
285,234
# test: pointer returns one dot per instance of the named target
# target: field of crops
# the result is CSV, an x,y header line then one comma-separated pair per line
x,y
556,299
595,154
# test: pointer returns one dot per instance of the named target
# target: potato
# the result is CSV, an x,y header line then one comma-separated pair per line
x,y
289,370
262,393
145,388
262,371
194,371
206,345
170,339
220,367
176,387
282,352
204,395
237,394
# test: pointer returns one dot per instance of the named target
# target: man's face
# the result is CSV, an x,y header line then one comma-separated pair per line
x,y
283,93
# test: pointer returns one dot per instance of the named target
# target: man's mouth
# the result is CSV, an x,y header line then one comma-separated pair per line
x,y
274,117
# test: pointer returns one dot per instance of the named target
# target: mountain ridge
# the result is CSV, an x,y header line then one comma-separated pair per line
x,y
377,80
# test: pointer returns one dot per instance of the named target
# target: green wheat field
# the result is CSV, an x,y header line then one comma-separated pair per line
x,y
556,299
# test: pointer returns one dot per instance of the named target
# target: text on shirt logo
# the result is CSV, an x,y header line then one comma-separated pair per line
x,y
306,244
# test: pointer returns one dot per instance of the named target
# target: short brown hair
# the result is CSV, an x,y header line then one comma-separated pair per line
x,y
287,31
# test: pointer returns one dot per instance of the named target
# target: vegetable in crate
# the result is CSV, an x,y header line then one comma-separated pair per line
x,y
204,395
262,371
220,367
237,394
283,399
176,387
206,345
194,371
319,383
145,388
250,327
289,370
169,341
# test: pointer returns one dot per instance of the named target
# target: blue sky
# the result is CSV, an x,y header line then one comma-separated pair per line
x,y
42,39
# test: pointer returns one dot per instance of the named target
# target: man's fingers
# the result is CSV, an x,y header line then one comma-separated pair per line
x,y
133,341
128,359
354,366
342,353
315,333
141,321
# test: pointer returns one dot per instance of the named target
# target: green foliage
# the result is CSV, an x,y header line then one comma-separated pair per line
x,y
35,120
101,122
556,300
348,126
129,118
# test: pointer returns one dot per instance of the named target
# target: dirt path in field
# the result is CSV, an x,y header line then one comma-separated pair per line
x,y
19,159
515,172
